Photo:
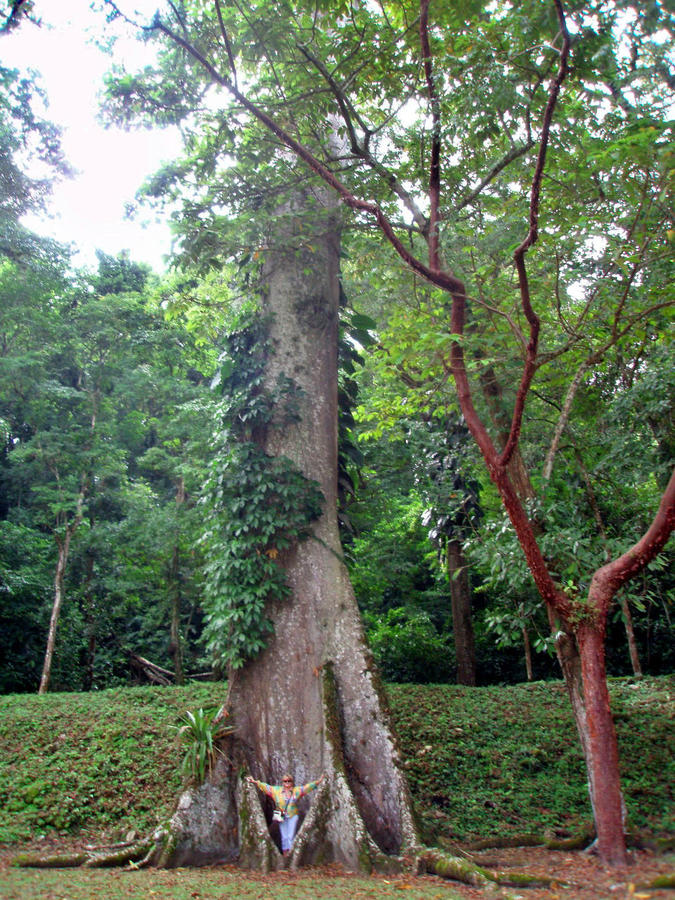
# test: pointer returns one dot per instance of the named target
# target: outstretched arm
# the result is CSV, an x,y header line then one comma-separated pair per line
x,y
311,785
265,788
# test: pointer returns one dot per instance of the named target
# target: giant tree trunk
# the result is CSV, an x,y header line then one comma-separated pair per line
x,y
311,702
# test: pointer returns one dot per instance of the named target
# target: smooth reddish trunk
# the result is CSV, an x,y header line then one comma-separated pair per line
x,y
582,655
602,752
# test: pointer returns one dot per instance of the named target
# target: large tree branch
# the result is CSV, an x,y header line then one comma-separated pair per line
x,y
435,161
360,148
563,420
445,280
607,580
513,154
14,15
442,279
519,255
226,41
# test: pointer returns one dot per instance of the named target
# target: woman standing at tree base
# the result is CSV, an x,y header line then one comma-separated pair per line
x,y
285,797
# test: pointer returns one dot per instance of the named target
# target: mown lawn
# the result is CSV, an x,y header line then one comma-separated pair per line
x,y
210,884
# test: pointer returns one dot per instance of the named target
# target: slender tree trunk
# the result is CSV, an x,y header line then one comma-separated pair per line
x,y
175,640
61,562
90,626
630,636
176,597
516,468
462,625
563,419
63,545
527,647
625,608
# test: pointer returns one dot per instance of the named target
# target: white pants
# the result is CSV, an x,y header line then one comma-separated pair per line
x,y
288,828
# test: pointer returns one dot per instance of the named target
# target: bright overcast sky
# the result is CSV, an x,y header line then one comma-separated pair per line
x,y
110,164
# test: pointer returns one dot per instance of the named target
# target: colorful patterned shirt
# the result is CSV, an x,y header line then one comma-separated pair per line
x,y
276,792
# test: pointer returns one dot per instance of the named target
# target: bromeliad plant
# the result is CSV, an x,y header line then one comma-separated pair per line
x,y
200,733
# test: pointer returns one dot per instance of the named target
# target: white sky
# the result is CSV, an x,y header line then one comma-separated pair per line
x,y
111,163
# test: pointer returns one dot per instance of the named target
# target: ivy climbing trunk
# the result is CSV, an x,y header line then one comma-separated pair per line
x,y
311,701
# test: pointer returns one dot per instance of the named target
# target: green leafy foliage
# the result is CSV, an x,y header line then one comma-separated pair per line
x,y
507,760
102,400
408,648
600,274
25,586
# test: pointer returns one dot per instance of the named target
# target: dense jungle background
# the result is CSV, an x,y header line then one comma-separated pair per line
x,y
107,418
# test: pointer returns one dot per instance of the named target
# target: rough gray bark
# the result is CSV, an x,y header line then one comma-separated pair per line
x,y
311,702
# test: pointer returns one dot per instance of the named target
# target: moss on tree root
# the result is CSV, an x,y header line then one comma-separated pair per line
x,y
158,849
456,868
50,861
662,881
500,842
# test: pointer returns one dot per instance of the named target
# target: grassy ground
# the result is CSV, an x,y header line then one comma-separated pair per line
x,y
211,884
481,761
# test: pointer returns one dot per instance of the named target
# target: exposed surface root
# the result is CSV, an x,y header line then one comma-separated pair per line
x,y
457,868
500,842
92,857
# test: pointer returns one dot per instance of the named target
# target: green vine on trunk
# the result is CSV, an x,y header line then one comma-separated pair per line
x,y
256,505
